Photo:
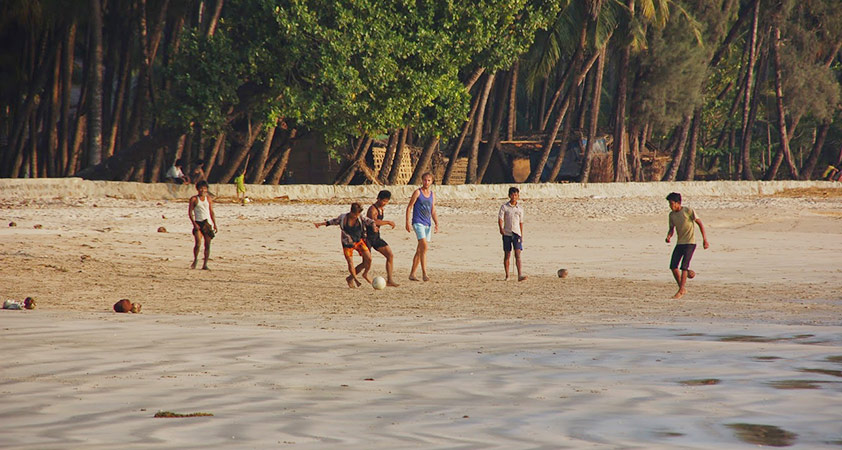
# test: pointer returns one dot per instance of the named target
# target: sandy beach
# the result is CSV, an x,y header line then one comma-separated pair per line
x,y
275,346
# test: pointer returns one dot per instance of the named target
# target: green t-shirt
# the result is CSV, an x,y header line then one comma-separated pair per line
x,y
240,180
684,221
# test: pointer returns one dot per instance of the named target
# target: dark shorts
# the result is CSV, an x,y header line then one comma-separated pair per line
x,y
376,242
206,228
512,241
683,253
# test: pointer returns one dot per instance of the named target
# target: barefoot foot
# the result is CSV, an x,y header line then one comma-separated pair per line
x,y
366,277
350,280
425,278
205,267
523,278
392,283
193,266
412,278
679,294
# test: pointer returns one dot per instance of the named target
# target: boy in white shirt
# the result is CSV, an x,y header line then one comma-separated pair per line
x,y
510,222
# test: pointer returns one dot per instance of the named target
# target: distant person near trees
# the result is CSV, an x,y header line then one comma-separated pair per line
x,y
176,175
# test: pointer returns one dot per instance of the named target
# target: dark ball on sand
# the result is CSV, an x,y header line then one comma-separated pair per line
x,y
162,230
29,303
13,224
562,273
125,306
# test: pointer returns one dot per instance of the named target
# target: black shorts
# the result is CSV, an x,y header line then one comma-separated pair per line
x,y
205,228
683,253
375,242
512,241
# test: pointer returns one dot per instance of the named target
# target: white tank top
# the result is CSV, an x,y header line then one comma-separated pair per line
x,y
202,210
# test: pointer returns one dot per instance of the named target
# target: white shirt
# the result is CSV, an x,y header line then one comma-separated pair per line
x,y
512,217
174,172
202,210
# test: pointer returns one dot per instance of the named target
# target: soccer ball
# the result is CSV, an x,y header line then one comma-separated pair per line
x,y
246,200
562,273
378,283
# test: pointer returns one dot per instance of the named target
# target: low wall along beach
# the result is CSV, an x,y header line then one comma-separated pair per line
x,y
49,188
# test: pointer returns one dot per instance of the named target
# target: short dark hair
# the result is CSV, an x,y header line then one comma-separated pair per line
x,y
383,195
356,208
674,197
513,190
201,184
178,162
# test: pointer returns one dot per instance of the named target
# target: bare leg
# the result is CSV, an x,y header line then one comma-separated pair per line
x,y
506,259
366,265
197,241
681,279
423,259
352,278
416,259
390,257
520,276
207,253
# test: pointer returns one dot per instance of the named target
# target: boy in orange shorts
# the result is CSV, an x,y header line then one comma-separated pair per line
x,y
352,226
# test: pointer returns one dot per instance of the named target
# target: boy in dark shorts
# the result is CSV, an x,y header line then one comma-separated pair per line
x,y
683,220
373,239
352,227
200,212
510,221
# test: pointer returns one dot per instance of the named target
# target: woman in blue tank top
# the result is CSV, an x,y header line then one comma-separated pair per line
x,y
423,207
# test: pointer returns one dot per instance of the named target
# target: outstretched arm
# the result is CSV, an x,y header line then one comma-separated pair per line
x,y
704,236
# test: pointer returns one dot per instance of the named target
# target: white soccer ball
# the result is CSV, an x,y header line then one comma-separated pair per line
x,y
246,200
378,283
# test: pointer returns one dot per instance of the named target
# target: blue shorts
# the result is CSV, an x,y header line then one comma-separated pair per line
x,y
512,241
423,231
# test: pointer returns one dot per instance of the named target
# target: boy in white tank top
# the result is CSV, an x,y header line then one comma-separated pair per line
x,y
200,212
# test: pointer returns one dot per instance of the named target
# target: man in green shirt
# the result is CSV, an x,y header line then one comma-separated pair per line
x,y
683,220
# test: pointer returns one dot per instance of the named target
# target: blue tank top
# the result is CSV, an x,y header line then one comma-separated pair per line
x,y
422,211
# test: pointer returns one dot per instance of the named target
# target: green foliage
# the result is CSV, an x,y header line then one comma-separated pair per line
x,y
351,67
671,75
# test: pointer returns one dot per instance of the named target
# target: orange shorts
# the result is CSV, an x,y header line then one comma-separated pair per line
x,y
358,246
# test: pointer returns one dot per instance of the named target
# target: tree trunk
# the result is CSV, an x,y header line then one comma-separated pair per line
x,y
745,147
815,152
95,90
214,20
678,152
473,79
260,162
535,175
67,85
783,148
473,156
396,164
620,144
238,157
494,136
511,129
575,62
280,167
388,157
122,91
51,141
346,177
423,164
211,160
690,167
454,153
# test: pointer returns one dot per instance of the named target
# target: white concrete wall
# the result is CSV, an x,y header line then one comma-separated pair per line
x,y
53,188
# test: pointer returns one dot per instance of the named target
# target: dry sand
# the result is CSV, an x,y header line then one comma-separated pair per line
x,y
274,345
